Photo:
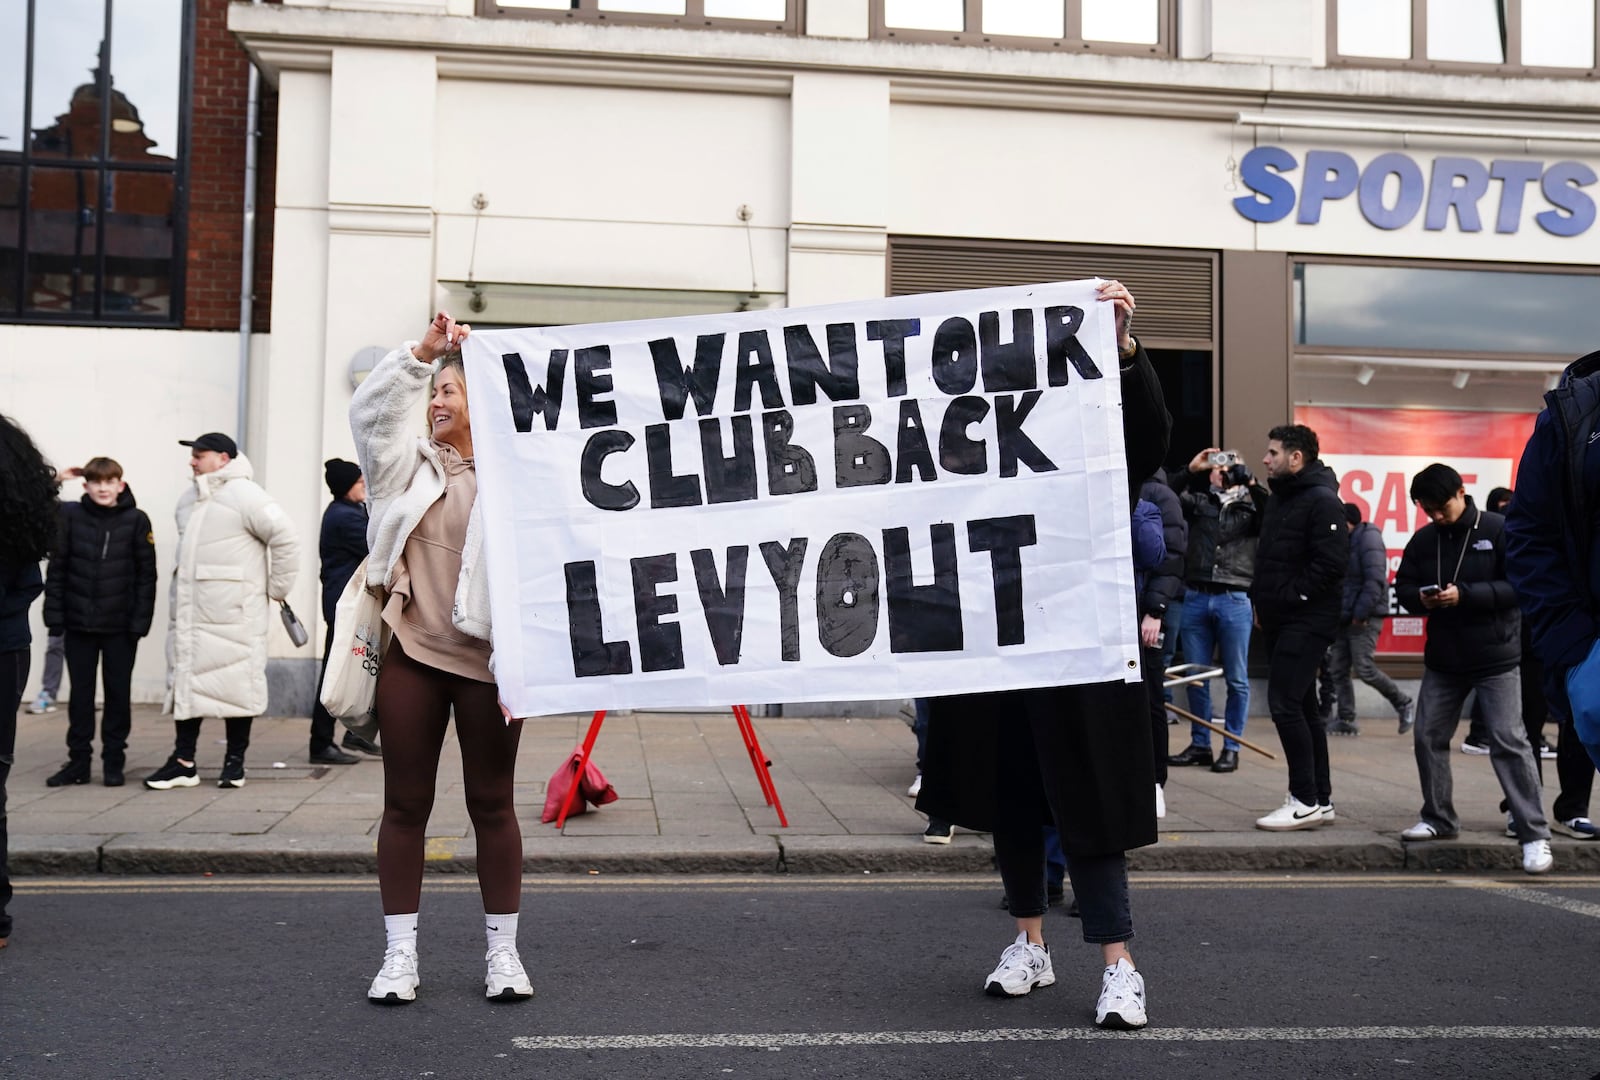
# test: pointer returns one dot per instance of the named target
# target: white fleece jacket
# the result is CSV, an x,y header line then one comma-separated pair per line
x,y
404,478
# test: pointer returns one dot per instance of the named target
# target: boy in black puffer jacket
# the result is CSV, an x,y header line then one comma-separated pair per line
x,y
100,591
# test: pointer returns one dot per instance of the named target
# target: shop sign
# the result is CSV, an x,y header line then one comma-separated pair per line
x,y
1393,188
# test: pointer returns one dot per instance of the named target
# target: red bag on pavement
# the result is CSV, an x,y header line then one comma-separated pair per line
x,y
593,787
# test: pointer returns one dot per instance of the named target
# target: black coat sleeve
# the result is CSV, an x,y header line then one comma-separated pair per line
x,y
1412,575
144,576
1327,549
1146,424
1374,561
56,571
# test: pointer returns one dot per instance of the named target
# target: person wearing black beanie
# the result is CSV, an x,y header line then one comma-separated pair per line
x,y
343,546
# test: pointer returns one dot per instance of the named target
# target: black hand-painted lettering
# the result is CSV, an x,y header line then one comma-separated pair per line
x,y
676,383
912,450
660,643
591,370
592,654
1007,365
790,468
785,564
838,378
1014,444
847,595
666,487
1004,538
728,479
722,602
527,399
859,460
955,356
893,334
601,445
957,452
923,618
1061,326
755,368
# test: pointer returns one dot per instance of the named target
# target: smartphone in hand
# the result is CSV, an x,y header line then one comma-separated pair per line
x,y
1430,590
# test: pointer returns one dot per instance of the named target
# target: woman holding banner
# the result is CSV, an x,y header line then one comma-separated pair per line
x,y
426,543
1012,762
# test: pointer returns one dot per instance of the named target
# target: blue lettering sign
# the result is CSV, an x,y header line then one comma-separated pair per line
x,y
1391,190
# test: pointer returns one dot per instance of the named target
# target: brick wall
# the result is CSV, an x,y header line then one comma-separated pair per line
x,y
216,178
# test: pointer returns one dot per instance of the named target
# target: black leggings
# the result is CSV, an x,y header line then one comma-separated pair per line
x,y
414,703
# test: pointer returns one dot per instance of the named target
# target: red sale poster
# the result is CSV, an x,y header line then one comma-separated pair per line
x,y
1376,452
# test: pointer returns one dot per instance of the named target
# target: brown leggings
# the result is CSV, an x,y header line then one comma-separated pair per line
x,y
414,702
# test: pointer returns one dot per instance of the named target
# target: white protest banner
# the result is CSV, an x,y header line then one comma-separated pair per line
x,y
919,495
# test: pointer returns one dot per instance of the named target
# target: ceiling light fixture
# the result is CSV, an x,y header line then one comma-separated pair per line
x,y
1460,379
1365,373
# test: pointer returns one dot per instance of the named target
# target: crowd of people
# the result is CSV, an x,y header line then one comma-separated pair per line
x,y
1061,777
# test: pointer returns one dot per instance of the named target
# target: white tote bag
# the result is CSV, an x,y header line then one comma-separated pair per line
x,y
350,686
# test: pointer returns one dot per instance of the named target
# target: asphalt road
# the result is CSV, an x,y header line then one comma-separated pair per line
x,y
1260,976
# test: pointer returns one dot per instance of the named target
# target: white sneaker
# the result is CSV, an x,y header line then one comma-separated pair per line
x,y
1536,857
1161,802
1292,815
916,787
1328,816
1425,830
1023,966
1121,1004
506,980
397,980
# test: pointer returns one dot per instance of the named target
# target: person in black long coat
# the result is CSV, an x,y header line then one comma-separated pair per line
x,y
1011,762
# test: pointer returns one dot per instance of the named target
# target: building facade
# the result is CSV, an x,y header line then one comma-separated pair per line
x,y
1363,213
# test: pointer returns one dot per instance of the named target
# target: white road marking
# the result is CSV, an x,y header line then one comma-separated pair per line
x,y
1534,896
823,1039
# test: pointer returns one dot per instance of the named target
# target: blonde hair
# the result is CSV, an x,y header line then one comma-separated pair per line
x,y
451,359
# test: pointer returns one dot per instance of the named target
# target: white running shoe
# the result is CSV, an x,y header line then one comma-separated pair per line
x,y
916,787
1425,830
1161,802
397,980
1536,857
1023,966
1328,815
506,980
1121,1004
1292,815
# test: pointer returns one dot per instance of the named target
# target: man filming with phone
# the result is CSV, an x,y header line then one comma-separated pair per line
x,y
1454,572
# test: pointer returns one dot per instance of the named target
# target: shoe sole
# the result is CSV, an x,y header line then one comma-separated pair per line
x,y
230,783
936,839
393,997
168,785
115,783
1115,1022
1294,826
1574,833
65,783
994,988
510,993
1430,836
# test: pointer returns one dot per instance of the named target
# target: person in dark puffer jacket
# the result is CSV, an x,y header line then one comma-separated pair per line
x,y
1366,596
1298,588
1163,588
100,591
342,546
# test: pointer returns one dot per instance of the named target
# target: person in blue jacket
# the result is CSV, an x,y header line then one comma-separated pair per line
x,y
28,512
342,546
1552,543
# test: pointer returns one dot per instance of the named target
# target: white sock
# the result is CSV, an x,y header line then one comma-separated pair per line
x,y
501,929
402,930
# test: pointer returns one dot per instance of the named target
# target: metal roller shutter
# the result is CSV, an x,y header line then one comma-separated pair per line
x,y
1175,288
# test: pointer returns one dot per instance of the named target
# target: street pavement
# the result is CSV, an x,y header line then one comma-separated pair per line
x,y
772,977
690,803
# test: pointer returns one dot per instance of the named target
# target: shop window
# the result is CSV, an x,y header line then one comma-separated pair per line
x,y
780,16
1507,37
91,160
1142,27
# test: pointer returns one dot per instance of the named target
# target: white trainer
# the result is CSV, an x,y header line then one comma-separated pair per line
x,y
916,787
506,980
1121,1004
1425,830
1023,966
1161,802
1328,815
1536,857
1292,815
397,980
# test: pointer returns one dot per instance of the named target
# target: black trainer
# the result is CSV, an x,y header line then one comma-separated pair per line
x,y
232,772
360,745
113,774
73,772
172,774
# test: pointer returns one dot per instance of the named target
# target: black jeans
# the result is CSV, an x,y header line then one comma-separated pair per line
x,y
1099,882
323,723
1292,699
189,735
13,674
1154,677
113,654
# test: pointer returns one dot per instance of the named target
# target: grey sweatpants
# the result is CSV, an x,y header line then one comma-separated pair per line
x,y
1439,713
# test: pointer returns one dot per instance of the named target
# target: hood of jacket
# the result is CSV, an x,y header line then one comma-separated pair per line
x,y
125,501
1315,474
1580,368
208,484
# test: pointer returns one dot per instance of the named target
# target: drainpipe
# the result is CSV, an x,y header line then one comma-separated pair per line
x,y
247,281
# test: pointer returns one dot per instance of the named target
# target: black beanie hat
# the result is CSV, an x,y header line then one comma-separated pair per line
x,y
1352,513
341,475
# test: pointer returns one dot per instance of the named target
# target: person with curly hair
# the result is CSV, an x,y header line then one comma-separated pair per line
x,y
28,489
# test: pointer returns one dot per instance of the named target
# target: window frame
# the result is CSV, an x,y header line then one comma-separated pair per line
x,y
102,167
693,18
1072,39
1418,61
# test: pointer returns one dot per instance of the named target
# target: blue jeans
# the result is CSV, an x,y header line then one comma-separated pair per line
x,y
1218,623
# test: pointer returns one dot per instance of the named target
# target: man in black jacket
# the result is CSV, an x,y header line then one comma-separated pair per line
x,y
1300,566
343,545
1454,571
100,591
1366,601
